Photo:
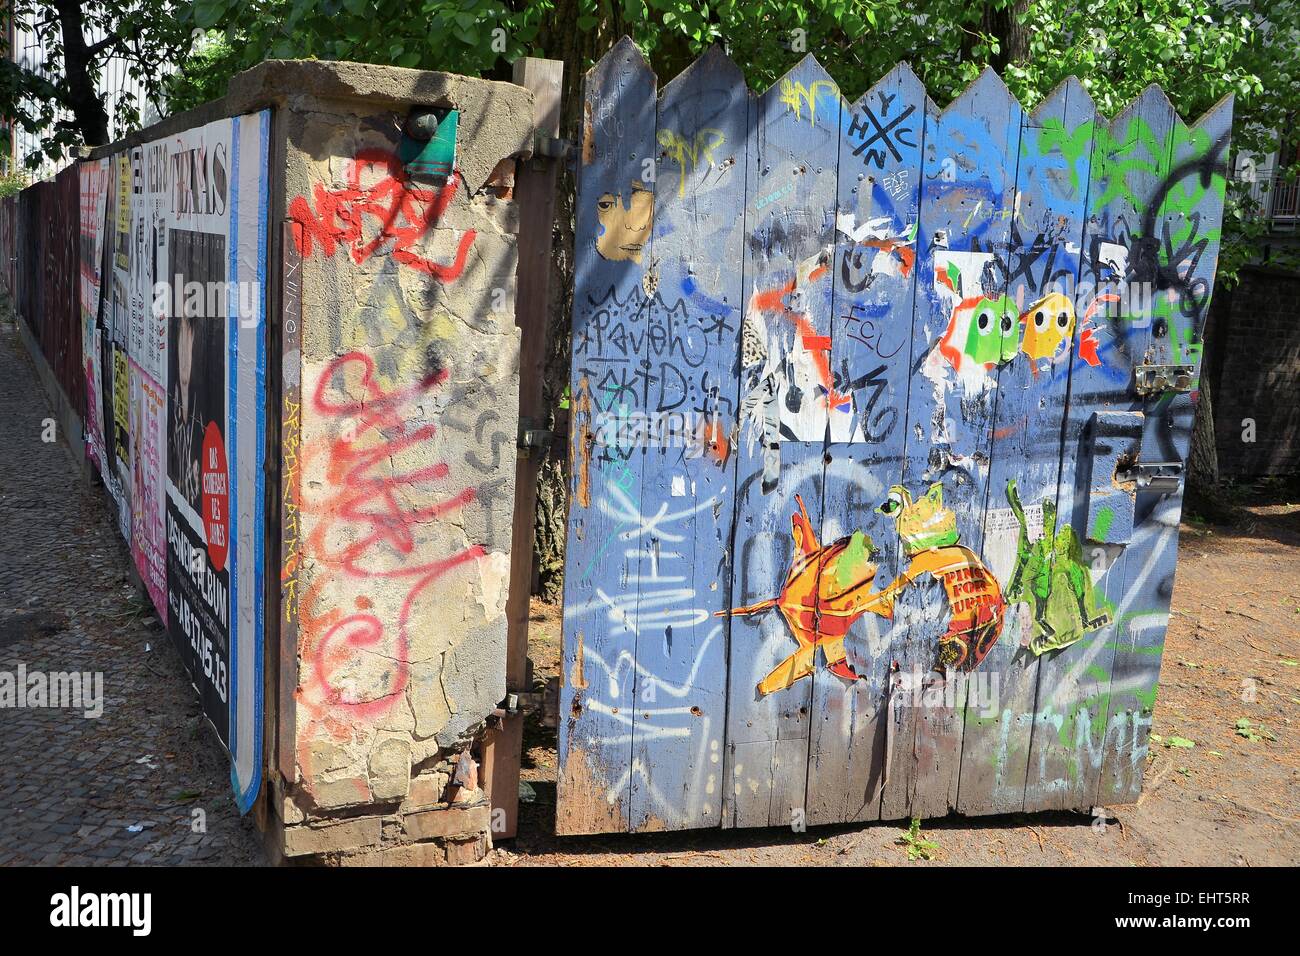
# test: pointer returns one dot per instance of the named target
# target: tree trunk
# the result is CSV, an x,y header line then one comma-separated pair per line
x,y
1004,22
1001,19
80,94
1203,462
578,49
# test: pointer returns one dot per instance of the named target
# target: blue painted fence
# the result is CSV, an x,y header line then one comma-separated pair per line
x,y
878,415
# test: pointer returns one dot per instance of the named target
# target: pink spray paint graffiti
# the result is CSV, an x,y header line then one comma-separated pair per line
x,y
148,535
365,532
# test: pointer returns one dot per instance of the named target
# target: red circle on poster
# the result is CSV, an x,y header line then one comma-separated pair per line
x,y
216,496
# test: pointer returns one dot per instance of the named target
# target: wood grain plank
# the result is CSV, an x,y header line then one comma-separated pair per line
x,y
786,393
535,182
605,529
1186,232
688,470
1021,544
1130,159
766,759
952,605
871,347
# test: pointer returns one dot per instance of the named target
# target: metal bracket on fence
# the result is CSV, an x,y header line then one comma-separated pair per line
x,y
523,702
1156,477
532,437
1158,379
552,147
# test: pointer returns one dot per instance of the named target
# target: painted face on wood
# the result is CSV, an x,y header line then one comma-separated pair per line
x,y
1049,323
625,228
991,339
983,331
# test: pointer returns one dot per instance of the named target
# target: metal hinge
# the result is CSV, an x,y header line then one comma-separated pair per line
x,y
1157,379
532,437
545,701
552,147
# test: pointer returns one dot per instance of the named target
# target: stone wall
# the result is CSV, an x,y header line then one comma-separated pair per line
x,y
392,407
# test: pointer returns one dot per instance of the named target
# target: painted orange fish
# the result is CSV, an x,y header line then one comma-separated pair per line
x,y
826,589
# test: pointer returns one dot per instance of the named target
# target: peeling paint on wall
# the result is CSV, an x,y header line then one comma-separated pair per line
x,y
405,433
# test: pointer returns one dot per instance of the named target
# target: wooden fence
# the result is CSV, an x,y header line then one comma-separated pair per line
x,y
879,414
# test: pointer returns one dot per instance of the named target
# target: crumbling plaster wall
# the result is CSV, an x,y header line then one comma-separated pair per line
x,y
398,435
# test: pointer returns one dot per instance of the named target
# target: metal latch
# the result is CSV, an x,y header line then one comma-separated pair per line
x,y
1113,441
532,437
551,147
541,701
1157,379
1156,477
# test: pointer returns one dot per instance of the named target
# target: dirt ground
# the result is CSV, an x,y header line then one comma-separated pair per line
x,y
1233,798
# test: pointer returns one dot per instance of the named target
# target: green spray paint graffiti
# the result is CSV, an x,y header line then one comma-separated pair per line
x,y
1051,577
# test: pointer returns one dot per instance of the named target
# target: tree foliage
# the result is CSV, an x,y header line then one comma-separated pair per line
x,y
57,98
1197,50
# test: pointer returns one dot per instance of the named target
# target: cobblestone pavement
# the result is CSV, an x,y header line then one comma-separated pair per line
x,y
145,783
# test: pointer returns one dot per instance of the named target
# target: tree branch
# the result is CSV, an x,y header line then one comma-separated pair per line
x,y
100,46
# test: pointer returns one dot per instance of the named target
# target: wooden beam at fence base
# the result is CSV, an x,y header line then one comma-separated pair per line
x,y
535,181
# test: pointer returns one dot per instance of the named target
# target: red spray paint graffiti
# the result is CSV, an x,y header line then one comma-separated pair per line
x,y
818,346
366,530
378,189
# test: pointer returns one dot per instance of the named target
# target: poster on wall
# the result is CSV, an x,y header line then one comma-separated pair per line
x,y
198,478
215,232
175,233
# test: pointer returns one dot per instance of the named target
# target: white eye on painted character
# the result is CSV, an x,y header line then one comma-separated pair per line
x,y
624,229
1042,320
1049,324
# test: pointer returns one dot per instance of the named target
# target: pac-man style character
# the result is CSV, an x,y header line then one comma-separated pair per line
x,y
929,535
826,589
982,331
1049,323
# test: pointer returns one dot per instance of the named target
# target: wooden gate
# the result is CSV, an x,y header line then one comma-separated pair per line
x,y
878,420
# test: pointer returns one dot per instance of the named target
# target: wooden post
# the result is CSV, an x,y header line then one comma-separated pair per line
x,y
535,182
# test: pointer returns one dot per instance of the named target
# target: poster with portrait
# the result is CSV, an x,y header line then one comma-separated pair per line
x,y
214,235
174,236
198,482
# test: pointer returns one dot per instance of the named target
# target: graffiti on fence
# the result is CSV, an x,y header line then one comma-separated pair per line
x,y
924,372
826,589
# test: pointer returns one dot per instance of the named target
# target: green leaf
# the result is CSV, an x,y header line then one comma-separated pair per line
x,y
208,12
1179,742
